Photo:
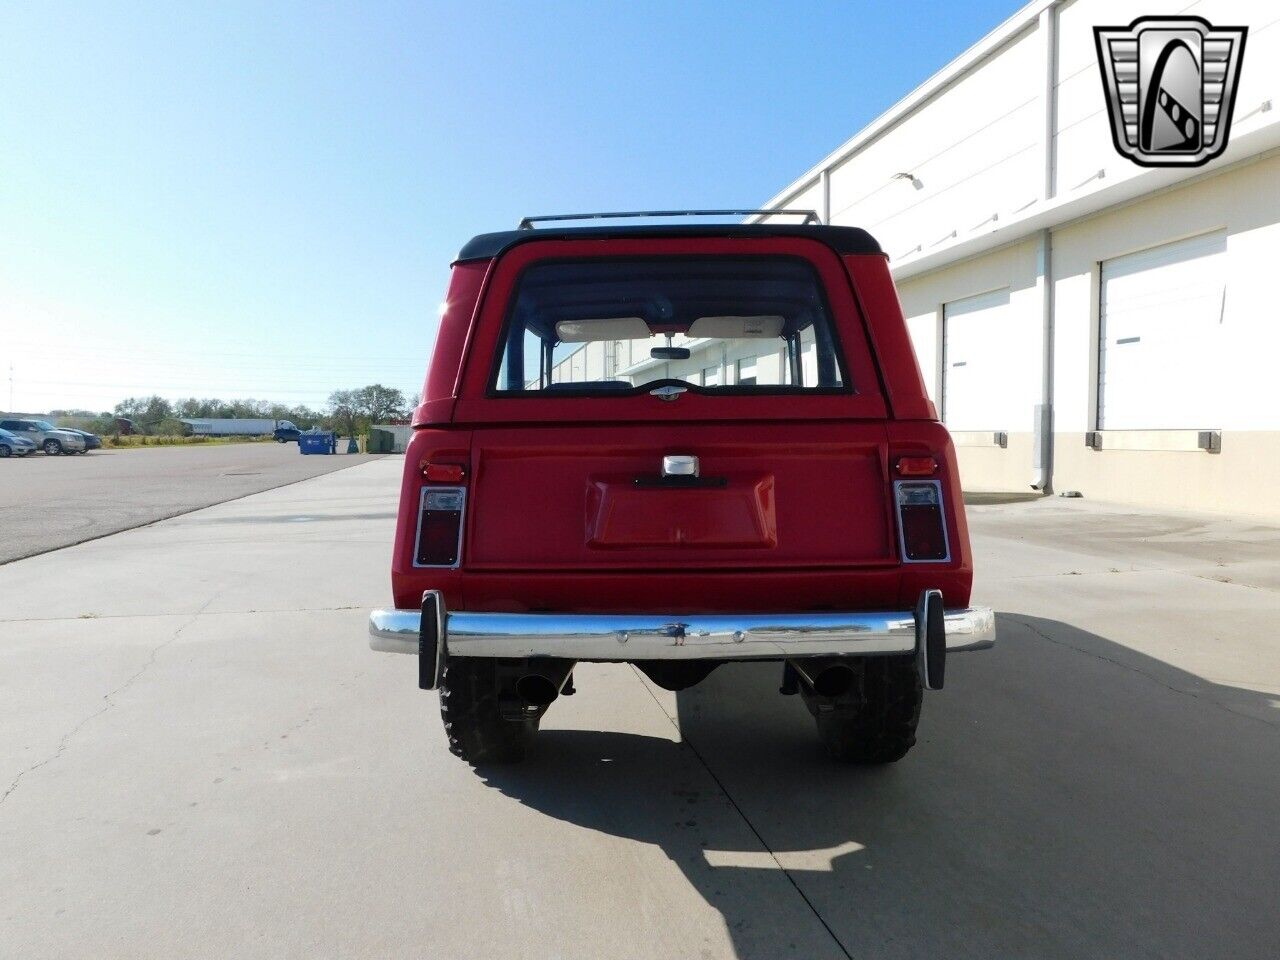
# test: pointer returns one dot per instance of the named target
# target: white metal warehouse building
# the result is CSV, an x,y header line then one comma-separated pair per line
x,y
1132,311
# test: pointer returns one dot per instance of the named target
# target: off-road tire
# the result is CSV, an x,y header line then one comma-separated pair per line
x,y
472,719
875,721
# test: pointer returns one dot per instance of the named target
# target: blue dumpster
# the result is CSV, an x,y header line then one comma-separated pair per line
x,y
319,441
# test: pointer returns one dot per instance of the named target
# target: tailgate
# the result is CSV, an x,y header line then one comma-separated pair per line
x,y
773,495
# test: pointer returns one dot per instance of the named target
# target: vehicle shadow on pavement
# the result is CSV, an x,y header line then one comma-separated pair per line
x,y
1068,797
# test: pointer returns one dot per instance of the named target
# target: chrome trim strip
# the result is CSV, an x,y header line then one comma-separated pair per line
x,y
971,629
631,637
395,631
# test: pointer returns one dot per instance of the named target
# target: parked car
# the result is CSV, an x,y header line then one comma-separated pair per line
x,y
286,432
12,445
52,440
678,447
91,440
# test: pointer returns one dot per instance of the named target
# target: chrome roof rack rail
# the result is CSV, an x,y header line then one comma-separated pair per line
x,y
810,216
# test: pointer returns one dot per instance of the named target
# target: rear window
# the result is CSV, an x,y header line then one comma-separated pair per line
x,y
715,325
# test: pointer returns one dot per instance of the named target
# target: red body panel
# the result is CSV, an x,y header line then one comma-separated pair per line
x,y
899,368
475,406
457,316
582,509
804,519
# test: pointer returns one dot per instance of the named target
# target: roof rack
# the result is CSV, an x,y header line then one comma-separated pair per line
x,y
810,216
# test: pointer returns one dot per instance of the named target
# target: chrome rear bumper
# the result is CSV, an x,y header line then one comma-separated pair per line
x,y
630,637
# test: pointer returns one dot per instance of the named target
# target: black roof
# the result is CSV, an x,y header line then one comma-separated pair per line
x,y
840,239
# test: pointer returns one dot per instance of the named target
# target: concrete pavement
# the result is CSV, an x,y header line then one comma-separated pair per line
x,y
199,756
51,502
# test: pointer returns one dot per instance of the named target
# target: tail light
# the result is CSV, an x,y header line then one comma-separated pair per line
x,y
440,526
917,466
443,472
922,524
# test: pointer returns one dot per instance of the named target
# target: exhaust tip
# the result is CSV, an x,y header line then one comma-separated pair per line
x,y
833,681
535,689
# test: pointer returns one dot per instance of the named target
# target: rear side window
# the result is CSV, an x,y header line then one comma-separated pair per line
x,y
714,324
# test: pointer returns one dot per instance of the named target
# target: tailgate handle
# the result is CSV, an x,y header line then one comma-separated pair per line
x,y
680,465
680,470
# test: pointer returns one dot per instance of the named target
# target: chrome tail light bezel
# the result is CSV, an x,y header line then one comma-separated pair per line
x,y
898,486
428,491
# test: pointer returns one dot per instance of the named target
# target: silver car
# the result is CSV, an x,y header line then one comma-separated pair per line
x,y
45,436
12,445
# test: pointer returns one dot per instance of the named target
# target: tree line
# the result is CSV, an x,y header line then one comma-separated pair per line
x,y
349,412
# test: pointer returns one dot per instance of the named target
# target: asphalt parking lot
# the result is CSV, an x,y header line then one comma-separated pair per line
x,y
50,502
200,757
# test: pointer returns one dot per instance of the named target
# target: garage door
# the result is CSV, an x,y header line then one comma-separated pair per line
x,y
991,365
1160,336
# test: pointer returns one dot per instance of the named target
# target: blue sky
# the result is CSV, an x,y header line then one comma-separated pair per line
x,y
262,200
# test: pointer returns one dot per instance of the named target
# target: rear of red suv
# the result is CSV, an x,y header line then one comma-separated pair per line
x,y
678,447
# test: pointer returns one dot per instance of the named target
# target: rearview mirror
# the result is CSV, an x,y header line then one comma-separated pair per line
x,y
669,353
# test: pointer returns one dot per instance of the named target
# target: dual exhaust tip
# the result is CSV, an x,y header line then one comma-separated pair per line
x,y
827,678
539,690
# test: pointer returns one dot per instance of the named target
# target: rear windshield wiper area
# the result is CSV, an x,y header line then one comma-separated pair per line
x,y
619,387
597,386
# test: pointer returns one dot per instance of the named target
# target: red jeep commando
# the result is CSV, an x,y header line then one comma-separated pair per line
x,y
677,447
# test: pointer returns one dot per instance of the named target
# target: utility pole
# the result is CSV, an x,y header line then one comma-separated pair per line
x,y
11,386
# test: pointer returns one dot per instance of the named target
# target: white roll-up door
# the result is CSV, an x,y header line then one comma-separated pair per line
x,y
1160,336
991,364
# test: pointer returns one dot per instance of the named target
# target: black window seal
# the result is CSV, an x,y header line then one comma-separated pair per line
x,y
847,387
